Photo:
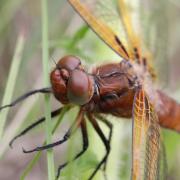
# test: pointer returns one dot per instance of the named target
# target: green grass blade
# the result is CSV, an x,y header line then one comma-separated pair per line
x,y
7,11
45,51
11,80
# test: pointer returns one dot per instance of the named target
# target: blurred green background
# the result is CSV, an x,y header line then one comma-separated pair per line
x,y
21,19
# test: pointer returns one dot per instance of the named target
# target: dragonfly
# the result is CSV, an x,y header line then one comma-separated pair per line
x,y
123,89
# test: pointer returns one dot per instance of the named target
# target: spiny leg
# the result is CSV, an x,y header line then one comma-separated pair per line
x,y
36,123
104,140
85,145
110,126
23,97
70,131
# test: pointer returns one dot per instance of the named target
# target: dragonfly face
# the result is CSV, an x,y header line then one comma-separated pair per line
x,y
70,83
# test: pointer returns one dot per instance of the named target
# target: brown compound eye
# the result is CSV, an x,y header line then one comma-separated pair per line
x,y
59,86
69,62
80,87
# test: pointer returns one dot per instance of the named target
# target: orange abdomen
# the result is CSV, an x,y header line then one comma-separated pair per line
x,y
169,113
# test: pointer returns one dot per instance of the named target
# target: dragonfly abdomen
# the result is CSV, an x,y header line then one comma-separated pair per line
x,y
169,112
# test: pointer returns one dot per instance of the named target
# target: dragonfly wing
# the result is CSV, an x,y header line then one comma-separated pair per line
x,y
125,15
146,138
111,21
137,49
90,12
162,163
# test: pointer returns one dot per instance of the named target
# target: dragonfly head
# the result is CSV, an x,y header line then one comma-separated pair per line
x,y
70,83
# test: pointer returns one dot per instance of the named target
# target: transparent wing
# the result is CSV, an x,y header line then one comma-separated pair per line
x,y
146,139
111,21
103,18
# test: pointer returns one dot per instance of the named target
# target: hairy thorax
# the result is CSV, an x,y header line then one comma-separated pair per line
x,y
116,85
114,89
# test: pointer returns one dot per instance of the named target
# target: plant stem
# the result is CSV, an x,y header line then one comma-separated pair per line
x,y
45,52
11,80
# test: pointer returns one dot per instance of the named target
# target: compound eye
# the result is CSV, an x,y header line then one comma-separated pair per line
x,y
59,86
69,62
80,88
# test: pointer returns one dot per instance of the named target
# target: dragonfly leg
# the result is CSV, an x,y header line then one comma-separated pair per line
x,y
105,142
85,146
23,97
36,123
110,126
68,134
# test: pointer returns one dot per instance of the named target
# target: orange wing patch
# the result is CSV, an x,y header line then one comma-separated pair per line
x,y
143,56
146,139
101,29
133,39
